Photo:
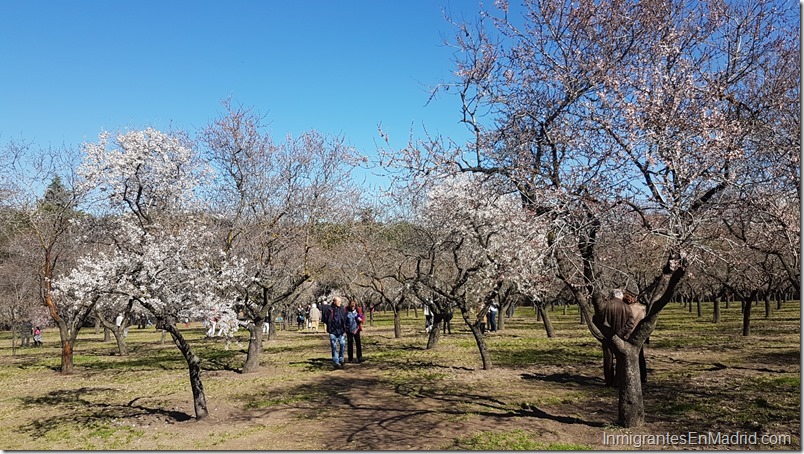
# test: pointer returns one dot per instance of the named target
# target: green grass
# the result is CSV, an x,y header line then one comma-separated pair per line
x,y
514,440
702,375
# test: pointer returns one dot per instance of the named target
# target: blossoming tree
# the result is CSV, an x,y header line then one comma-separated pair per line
x,y
162,255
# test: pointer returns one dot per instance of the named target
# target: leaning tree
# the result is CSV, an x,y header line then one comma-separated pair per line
x,y
162,256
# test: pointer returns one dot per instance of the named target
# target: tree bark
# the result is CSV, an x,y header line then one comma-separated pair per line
x,y
435,333
767,305
194,368
548,325
698,303
67,365
397,324
252,363
747,317
485,357
716,311
119,337
631,408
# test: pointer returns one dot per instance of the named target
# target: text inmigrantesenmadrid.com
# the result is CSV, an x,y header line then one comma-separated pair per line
x,y
696,438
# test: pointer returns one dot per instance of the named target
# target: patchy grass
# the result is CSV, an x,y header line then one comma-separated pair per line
x,y
542,393
515,440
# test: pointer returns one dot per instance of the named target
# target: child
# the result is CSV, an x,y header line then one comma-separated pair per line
x,y
37,337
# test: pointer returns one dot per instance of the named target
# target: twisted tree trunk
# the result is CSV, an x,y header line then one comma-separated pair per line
x,y
193,366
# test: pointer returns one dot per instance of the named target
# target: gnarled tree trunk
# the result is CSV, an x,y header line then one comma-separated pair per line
x,y
548,325
193,366
631,408
254,346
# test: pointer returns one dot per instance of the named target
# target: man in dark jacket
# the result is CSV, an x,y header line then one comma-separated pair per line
x,y
336,322
616,317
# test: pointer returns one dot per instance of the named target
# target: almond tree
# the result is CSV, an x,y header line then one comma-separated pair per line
x,y
478,239
43,223
270,198
162,256
585,107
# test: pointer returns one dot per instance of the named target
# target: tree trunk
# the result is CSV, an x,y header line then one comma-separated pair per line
x,y
631,408
97,325
397,324
747,317
67,365
194,367
767,305
565,308
716,311
254,347
582,314
548,325
435,333
107,336
485,357
120,338
698,303
779,300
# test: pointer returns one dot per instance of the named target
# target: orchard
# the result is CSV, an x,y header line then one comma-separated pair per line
x,y
647,149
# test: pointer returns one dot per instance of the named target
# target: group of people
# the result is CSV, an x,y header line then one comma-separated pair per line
x,y
344,324
27,331
432,318
311,315
621,314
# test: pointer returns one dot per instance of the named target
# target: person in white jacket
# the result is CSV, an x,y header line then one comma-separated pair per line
x,y
315,317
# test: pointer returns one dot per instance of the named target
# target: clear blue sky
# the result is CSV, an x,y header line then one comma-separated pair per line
x,y
73,68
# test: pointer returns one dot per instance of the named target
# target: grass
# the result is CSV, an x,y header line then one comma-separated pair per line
x,y
515,440
542,394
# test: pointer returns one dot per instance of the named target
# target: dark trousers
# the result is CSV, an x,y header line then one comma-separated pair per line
x,y
610,371
353,340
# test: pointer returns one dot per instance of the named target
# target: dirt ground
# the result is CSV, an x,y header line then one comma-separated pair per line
x,y
541,393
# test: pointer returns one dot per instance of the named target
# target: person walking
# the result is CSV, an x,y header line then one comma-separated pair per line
x,y
315,317
26,332
37,337
428,317
492,317
354,316
337,327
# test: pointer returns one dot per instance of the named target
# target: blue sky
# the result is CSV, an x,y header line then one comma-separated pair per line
x,y
73,68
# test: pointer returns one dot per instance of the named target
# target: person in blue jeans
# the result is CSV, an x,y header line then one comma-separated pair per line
x,y
492,315
336,322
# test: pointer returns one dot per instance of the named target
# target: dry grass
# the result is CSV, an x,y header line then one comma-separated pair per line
x,y
542,393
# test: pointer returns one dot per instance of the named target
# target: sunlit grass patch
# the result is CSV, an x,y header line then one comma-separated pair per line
x,y
514,440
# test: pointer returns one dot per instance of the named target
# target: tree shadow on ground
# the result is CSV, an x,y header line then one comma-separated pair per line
x,y
84,412
566,378
368,412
